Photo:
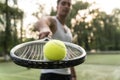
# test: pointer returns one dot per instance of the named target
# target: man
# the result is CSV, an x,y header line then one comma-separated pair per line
x,y
54,27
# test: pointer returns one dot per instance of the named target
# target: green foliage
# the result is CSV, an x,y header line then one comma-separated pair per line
x,y
106,31
79,5
14,12
8,36
53,13
1,21
94,28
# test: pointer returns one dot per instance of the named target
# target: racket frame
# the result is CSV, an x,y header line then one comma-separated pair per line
x,y
43,64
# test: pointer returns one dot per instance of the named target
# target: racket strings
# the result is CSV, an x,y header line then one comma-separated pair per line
x,y
35,52
72,53
31,52
40,52
23,51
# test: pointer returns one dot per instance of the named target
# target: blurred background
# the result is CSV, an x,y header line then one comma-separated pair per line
x,y
95,25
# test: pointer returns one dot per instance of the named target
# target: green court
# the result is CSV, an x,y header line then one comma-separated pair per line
x,y
96,67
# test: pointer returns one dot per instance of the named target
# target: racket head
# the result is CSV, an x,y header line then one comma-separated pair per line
x,y
30,54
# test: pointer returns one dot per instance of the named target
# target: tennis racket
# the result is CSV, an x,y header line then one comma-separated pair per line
x,y
30,54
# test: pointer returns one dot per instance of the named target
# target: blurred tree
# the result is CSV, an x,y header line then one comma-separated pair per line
x,y
9,16
38,14
95,29
116,20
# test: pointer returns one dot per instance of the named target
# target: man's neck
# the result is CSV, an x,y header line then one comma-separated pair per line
x,y
61,19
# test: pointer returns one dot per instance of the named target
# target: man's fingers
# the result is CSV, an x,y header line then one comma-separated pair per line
x,y
41,36
44,34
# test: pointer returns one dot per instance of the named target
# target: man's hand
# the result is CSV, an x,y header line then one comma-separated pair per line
x,y
44,34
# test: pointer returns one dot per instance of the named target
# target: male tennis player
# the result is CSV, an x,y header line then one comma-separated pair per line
x,y
54,27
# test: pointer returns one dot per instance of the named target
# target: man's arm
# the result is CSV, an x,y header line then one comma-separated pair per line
x,y
73,73
43,26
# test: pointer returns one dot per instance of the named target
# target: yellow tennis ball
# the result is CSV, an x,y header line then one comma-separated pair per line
x,y
54,50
